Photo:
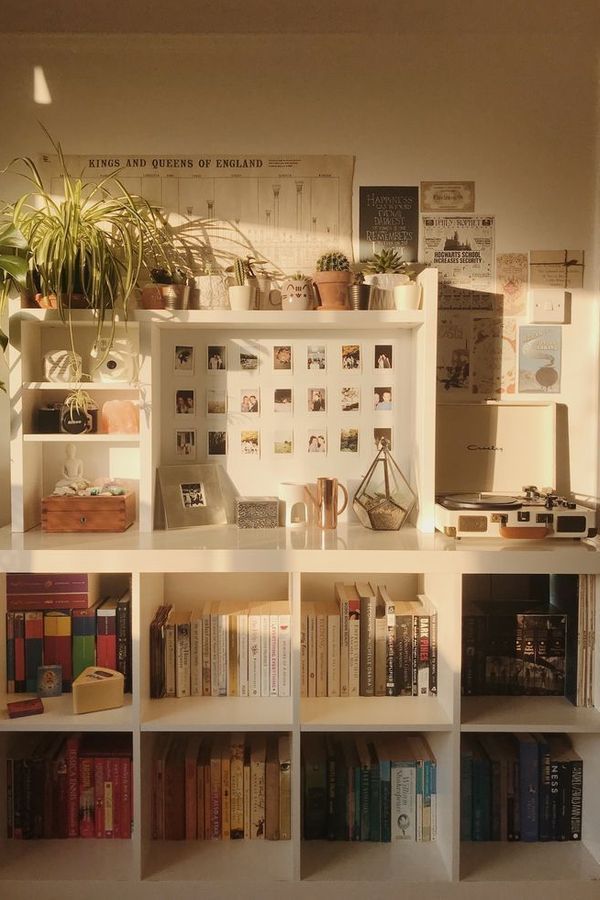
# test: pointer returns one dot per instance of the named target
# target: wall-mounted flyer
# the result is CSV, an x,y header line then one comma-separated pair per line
x,y
462,249
540,359
389,218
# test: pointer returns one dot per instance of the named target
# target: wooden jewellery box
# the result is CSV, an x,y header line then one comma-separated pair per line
x,y
102,513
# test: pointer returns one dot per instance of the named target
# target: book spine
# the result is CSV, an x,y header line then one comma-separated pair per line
x,y
124,641
36,602
285,790
72,752
196,657
312,654
200,832
374,802
321,639
207,772
433,654
333,656
191,796
303,655
237,788
182,660
10,809
576,800
27,803
106,639
272,792
391,659
344,648
284,652
496,800
367,647
57,646
170,660
33,583
225,794
273,655
34,648
83,628
433,771
254,662
545,802
265,656
481,800
529,790
17,798
419,800
315,800
386,801
423,656
247,786
125,805
466,796
19,630
233,656
404,656
354,657
10,653
223,657
380,656
99,779
206,656
427,793
243,654
468,656
403,778
86,797
215,796
114,768
257,799
214,655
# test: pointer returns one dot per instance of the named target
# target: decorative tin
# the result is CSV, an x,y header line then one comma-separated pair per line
x,y
49,681
257,512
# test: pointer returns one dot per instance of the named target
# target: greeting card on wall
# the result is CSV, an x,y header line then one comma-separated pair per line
x,y
512,271
540,359
462,249
287,209
389,218
493,357
556,268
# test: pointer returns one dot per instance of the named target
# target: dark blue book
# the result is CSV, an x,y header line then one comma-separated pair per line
x,y
545,798
466,793
529,776
385,770
375,822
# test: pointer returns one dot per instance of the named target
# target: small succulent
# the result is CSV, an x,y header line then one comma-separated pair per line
x,y
358,278
386,261
333,262
163,275
298,276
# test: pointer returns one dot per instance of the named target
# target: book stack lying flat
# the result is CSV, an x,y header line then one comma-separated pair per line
x,y
221,787
366,787
61,620
520,787
223,650
363,643
70,787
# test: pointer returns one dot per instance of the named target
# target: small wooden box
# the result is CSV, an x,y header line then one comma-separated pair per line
x,y
103,513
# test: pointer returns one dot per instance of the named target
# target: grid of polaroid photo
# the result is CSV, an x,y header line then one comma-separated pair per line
x,y
270,397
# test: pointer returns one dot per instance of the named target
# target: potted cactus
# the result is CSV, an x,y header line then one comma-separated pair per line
x,y
240,292
388,273
295,292
332,279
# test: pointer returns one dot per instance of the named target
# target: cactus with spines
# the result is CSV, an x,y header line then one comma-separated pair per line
x,y
333,262
386,261
240,270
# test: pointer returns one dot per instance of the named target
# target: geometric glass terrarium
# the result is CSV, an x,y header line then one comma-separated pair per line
x,y
384,499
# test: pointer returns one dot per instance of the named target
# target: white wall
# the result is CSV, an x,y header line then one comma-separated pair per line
x,y
516,113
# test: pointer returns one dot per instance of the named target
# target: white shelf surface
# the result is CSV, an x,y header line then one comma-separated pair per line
x,y
373,714
81,438
310,320
547,861
407,861
74,859
223,548
58,715
216,861
80,385
217,714
526,714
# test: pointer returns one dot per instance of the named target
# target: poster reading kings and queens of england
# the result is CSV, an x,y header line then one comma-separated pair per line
x,y
462,249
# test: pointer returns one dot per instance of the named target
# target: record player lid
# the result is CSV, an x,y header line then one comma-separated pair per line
x,y
494,447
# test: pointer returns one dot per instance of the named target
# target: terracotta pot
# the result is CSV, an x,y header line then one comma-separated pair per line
x,y
165,296
333,289
50,301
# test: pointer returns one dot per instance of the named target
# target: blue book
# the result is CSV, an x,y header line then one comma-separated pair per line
x,y
385,769
529,777
545,798
481,807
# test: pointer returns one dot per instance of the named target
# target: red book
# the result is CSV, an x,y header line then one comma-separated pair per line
x,y
34,648
19,632
60,793
57,644
41,583
29,602
126,810
114,769
86,797
99,787
72,755
106,634
19,708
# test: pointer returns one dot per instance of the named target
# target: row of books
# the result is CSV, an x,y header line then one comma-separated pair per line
x,y
221,787
69,787
98,635
514,647
368,788
363,643
521,787
226,650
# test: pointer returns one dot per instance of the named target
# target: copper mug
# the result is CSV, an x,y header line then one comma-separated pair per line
x,y
326,501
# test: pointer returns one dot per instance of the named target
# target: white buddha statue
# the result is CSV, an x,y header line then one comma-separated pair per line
x,y
72,480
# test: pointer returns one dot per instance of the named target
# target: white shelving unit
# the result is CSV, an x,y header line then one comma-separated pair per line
x,y
220,562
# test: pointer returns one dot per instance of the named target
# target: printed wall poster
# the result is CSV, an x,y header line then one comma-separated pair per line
x,y
389,218
512,272
454,353
556,268
462,249
286,209
493,357
447,196
540,359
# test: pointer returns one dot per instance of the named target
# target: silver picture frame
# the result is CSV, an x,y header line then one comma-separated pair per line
x,y
191,496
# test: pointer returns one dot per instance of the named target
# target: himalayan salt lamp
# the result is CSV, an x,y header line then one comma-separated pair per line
x,y
120,417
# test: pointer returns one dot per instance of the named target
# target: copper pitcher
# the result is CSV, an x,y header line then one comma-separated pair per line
x,y
326,501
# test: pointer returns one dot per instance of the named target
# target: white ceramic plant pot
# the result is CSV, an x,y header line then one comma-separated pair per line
x,y
212,292
240,296
382,289
295,294
407,296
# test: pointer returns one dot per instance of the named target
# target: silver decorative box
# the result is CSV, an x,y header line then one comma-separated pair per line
x,y
257,512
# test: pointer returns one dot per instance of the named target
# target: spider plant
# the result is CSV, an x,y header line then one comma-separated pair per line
x,y
13,270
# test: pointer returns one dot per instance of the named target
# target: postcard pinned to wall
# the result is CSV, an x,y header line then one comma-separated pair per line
x,y
447,196
462,249
389,218
454,354
556,268
493,356
512,273
540,359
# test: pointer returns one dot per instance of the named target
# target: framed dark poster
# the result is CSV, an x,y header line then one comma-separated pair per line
x,y
389,218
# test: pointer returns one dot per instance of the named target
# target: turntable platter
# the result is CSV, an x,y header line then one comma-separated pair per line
x,y
479,501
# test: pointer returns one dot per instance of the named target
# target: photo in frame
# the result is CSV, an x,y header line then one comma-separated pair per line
x,y
183,360
191,496
185,444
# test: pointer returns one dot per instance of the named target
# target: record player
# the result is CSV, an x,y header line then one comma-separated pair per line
x,y
485,452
